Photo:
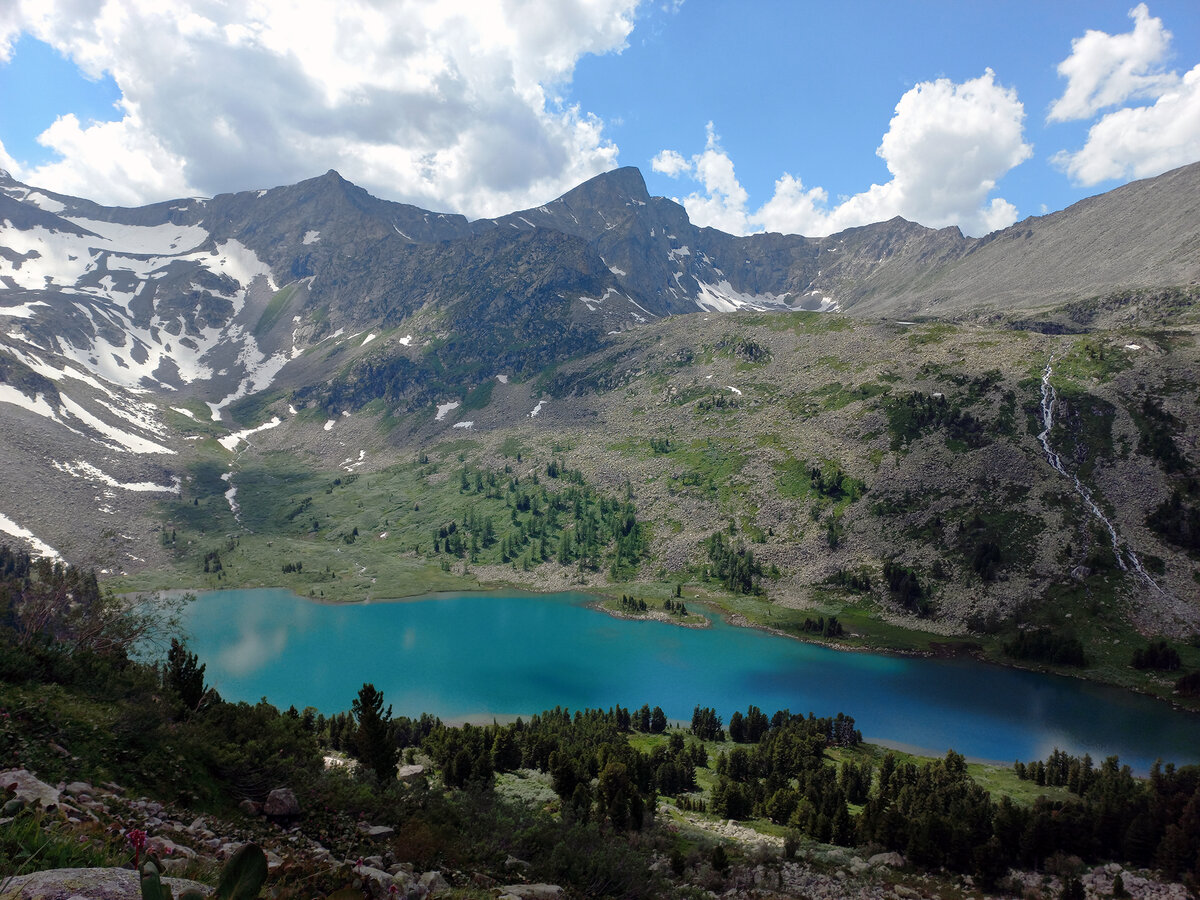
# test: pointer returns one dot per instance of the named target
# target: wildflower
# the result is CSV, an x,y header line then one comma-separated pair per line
x,y
137,839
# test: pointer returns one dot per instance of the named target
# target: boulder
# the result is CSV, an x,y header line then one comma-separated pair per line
x,y
892,860
282,804
407,773
27,788
88,884
536,891
434,883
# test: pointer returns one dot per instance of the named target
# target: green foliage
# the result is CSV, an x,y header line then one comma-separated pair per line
x,y
733,566
906,588
1156,436
1177,521
912,416
243,876
184,675
1156,655
374,743
1044,645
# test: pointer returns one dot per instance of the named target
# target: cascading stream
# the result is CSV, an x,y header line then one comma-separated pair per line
x,y
1049,397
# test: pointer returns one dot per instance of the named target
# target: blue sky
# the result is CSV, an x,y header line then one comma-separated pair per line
x,y
757,114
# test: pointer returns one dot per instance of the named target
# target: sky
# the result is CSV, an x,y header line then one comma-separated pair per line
x,y
757,115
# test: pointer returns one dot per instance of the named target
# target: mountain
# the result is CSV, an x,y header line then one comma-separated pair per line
x,y
864,410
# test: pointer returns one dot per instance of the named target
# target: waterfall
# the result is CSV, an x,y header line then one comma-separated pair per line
x,y
1049,398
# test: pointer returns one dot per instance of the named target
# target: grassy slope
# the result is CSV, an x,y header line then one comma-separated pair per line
x,y
719,422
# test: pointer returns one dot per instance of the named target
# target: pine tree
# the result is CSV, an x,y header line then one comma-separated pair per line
x,y
185,675
374,744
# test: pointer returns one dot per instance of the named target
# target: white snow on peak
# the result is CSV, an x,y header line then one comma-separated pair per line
x,y
503,379
40,547
537,409
735,390
406,340
311,237
620,273
444,408
370,337
329,424
183,412
230,441
462,424
679,252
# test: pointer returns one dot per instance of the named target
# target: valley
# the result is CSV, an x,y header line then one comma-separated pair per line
x,y
377,402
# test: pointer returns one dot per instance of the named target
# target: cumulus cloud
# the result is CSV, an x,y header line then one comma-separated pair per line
x,y
1108,69
1136,141
450,104
946,147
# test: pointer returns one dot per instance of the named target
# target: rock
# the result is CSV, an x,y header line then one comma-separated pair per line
x,y
91,884
379,831
75,788
166,847
281,804
434,883
536,891
250,808
407,773
27,787
375,862
513,863
274,860
892,860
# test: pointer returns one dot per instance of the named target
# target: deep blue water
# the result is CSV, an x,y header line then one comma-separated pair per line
x,y
481,655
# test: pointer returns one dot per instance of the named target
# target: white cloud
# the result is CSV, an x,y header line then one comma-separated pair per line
x,y
1108,69
1139,142
670,163
946,147
449,104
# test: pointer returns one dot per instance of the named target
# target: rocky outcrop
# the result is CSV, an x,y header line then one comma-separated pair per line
x,y
87,884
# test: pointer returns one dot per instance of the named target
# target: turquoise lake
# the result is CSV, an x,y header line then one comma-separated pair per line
x,y
474,656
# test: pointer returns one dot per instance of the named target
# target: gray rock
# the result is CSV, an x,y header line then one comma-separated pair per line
x,y
28,788
892,860
75,788
379,831
281,804
407,773
535,891
91,884
513,863
434,883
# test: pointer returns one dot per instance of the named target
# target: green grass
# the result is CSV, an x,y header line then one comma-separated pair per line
x,y
275,309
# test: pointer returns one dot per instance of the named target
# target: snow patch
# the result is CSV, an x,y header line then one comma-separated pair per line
x,y
444,408
620,273
537,409
123,439
183,412
40,547
723,297
503,379
37,405
230,494
1133,346
406,340
370,337
311,237
735,390
83,469
230,441
329,425
462,424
